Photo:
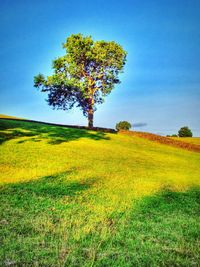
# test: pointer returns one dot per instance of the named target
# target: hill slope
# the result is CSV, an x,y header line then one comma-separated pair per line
x,y
3,116
192,143
72,197
191,140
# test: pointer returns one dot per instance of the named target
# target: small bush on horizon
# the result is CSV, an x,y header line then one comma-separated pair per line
x,y
185,132
123,125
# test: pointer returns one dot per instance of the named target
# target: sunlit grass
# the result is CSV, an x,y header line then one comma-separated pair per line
x,y
3,116
68,196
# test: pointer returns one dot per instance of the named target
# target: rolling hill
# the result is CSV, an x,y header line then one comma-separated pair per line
x,y
74,197
191,140
3,116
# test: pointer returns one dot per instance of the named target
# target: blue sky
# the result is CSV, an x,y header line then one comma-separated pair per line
x,y
160,86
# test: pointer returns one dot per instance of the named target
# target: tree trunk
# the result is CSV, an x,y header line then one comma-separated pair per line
x,y
90,117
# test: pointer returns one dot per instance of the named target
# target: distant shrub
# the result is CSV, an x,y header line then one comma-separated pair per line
x,y
185,132
173,135
123,125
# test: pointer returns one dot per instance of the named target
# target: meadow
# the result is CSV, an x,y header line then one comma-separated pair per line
x,y
72,197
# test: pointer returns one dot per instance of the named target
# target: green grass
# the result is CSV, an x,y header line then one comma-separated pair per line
x,y
191,140
73,197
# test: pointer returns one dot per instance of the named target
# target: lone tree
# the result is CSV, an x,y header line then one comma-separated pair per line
x,y
84,75
185,132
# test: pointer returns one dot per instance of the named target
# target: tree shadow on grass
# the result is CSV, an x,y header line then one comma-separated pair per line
x,y
162,230
54,187
53,134
32,214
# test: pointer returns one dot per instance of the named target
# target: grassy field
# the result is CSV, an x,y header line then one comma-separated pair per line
x,y
3,116
72,197
191,140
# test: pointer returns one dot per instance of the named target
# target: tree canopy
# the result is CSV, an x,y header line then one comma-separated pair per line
x,y
123,125
185,132
84,75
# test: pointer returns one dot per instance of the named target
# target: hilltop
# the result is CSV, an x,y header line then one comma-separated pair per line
x,y
189,143
76,197
192,143
3,116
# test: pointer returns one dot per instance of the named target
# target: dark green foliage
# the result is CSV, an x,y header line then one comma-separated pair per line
x,y
173,135
123,125
185,132
84,75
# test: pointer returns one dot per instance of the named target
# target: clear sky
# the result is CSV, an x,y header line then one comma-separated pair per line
x,y
160,86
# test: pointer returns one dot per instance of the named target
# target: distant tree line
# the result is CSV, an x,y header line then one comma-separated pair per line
x,y
183,132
